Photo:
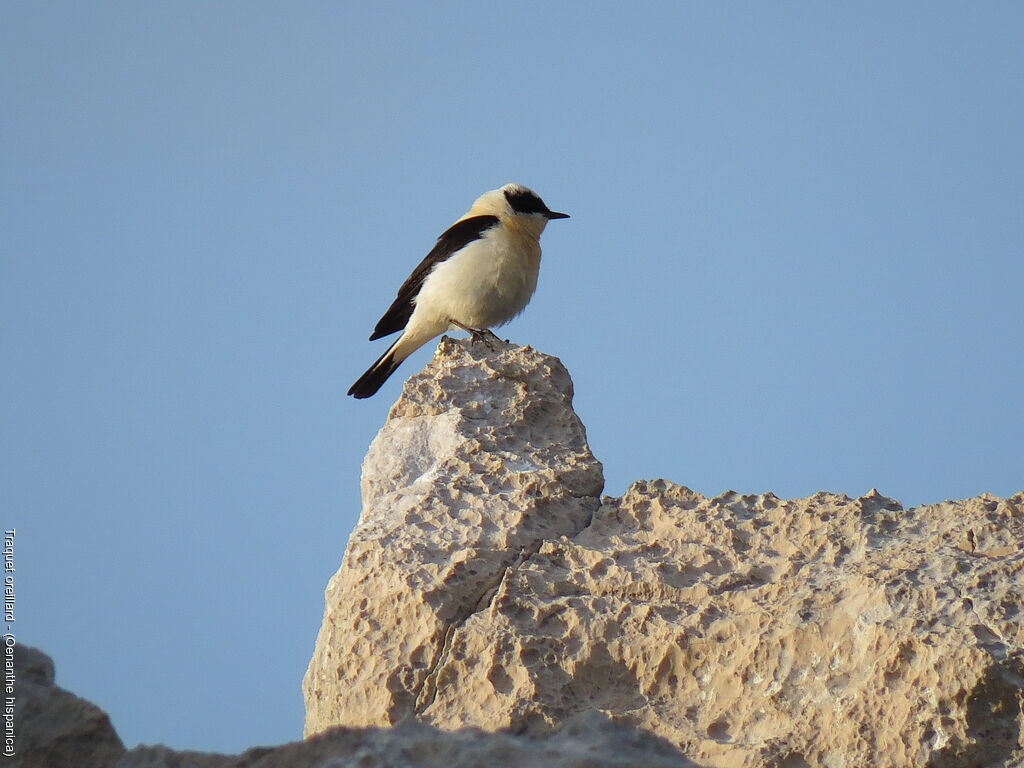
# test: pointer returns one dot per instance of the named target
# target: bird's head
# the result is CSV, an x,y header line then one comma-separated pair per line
x,y
516,203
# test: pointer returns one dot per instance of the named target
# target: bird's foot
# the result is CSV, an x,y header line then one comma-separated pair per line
x,y
484,335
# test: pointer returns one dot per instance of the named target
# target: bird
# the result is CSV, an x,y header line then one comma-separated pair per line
x,y
481,273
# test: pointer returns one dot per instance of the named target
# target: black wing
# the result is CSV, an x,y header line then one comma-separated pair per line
x,y
456,237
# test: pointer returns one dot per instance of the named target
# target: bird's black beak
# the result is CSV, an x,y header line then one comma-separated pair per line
x,y
556,215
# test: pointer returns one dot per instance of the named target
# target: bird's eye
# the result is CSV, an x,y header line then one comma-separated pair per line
x,y
525,201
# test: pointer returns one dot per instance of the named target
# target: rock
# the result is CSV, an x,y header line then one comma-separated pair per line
x,y
59,730
481,460
472,473
33,666
496,611
54,728
163,757
588,741
484,585
748,630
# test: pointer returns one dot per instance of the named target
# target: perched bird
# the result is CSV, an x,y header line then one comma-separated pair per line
x,y
480,274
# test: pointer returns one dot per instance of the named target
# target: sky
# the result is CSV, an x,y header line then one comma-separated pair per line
x,y
794,264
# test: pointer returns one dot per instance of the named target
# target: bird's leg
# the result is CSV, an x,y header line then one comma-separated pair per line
x,y
477,334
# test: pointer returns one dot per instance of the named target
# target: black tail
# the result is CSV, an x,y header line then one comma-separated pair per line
x,y
374,378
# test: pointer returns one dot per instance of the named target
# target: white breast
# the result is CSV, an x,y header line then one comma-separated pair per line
x,y
485,284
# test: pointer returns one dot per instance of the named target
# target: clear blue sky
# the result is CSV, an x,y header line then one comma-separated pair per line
x,y
794,264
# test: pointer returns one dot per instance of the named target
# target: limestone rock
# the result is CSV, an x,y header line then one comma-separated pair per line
x,y
753,631
481,460
485,586
54,728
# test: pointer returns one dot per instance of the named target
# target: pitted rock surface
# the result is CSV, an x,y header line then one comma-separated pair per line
x,y
485,585
751,630
481,460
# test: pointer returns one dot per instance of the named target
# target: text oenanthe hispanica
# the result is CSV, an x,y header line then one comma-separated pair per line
x,y
9,643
